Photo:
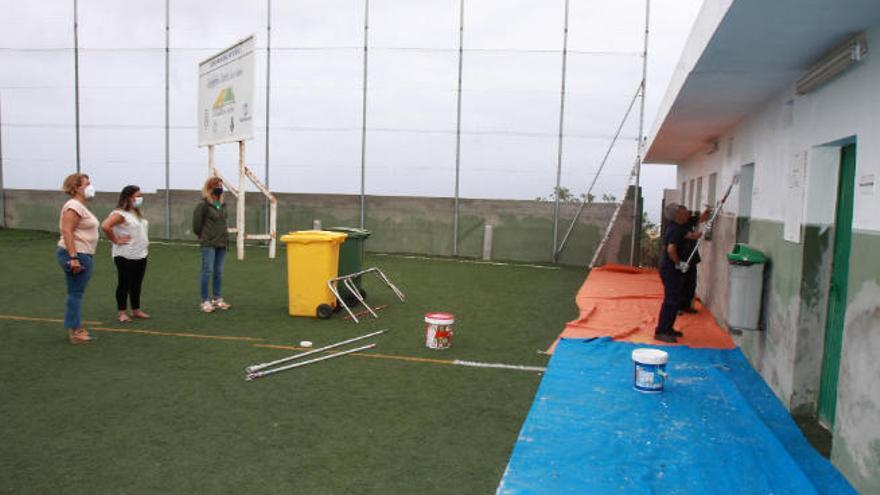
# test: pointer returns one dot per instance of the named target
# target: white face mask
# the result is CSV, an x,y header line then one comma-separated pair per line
x,y
138,201
89,191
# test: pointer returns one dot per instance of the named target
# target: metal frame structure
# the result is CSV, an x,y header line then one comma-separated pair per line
x,y
239,193
348,283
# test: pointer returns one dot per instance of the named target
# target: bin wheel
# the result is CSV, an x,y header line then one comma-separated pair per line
x,y
324,311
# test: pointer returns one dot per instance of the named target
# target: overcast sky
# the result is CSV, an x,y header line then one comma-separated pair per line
x,y
510,103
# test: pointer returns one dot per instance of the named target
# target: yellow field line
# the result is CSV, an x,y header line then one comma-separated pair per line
x,y
176,334
45,320
161,333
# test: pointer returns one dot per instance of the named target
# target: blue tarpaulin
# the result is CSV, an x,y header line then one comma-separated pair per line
x,y
716,428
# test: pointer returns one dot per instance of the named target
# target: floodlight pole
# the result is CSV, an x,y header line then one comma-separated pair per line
x,y
2,189
364,114
555,256
267,210
167,119
456,212
76,79
637,217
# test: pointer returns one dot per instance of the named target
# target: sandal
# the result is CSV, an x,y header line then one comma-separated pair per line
x,y
140,315
123,318
80,336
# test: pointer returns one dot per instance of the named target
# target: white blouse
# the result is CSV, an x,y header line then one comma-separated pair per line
x,y
136,228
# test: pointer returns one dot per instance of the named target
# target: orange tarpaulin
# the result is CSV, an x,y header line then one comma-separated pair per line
x,y
623,303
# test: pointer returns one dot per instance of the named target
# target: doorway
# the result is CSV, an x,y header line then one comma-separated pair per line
x,y
837,292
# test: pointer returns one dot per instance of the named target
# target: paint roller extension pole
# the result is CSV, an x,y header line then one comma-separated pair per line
x,y
259,374
715,213
258,367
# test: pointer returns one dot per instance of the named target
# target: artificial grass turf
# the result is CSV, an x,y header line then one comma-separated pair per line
x,y
144,413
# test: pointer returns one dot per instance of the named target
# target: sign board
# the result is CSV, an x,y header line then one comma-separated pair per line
x,y
226,95
794,197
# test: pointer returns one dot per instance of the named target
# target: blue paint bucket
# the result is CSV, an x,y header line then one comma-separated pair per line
x,y
649,370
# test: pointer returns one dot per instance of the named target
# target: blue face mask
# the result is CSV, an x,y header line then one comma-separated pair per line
x,y
138,202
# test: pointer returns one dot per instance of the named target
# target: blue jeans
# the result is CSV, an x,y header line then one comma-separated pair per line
x,y
212,264
76,286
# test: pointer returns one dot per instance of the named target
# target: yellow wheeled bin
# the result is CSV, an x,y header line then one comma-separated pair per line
x,y
312,260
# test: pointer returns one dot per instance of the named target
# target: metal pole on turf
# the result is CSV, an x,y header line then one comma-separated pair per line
x,y
258,367
259,374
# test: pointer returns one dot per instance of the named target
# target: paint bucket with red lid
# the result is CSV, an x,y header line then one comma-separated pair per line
x,y
438,330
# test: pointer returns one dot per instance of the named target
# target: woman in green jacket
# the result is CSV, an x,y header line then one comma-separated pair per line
x,y
209,224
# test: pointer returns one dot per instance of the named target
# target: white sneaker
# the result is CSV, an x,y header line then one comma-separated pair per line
x,y
219,303
207,307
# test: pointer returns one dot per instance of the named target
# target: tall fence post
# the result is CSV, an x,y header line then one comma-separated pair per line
x,y
267,208
555,256
2,188
637,217
456,208
364,117
76,78
167,119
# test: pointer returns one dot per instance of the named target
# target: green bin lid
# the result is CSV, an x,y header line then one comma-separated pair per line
x,y
743,253
353,232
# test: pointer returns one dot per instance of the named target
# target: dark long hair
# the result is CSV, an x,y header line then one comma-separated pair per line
x,y
124,202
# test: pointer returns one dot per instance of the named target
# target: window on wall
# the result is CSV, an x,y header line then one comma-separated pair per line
x,y
710,193
699,195
683,197
690,201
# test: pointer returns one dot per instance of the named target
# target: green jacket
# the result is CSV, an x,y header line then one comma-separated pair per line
x,y
209,224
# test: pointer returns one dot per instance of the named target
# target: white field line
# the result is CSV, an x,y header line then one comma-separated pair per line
x,y
519,367
472,262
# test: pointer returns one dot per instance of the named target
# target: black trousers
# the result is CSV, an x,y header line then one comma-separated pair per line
x,y
130,276
673,294
690,287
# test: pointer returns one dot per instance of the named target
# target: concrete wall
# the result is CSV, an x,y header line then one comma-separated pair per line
x,y
788,353
523,230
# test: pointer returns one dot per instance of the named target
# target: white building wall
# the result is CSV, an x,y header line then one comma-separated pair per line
x,y
788,352
787,124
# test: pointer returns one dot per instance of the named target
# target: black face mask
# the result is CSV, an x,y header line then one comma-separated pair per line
x,y
217,191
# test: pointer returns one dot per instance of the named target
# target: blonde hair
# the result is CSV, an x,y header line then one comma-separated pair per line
x,y
71,182
210,184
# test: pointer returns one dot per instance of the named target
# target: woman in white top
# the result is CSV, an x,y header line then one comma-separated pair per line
x,y
127,229
79,238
